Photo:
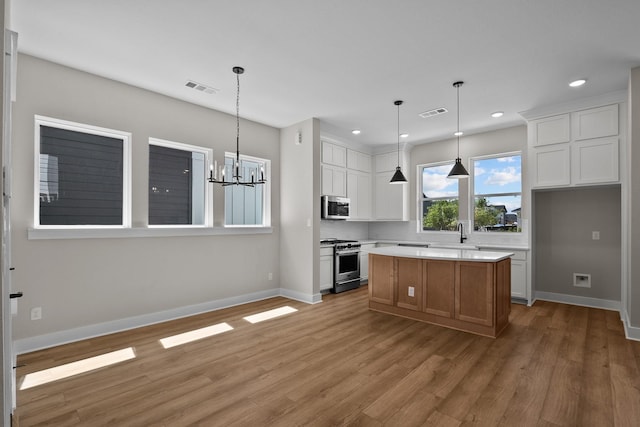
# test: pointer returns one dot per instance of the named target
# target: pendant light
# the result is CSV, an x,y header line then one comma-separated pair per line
x,y
236,178
458,171
398,177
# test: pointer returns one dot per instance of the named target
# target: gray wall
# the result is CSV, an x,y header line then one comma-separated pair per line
x,y
563,244
80,282
300,211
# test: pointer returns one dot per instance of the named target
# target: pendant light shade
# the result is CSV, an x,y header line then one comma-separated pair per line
x,y
458,171
398,176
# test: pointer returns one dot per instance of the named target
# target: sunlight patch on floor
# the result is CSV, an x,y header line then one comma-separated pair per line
x,y
194,335
75,368
270,314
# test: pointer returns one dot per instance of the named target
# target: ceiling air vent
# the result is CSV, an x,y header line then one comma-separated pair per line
x,y
434,112
201,88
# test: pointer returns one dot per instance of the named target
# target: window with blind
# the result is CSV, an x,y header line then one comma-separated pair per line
x,y
178,192
247,206
83,175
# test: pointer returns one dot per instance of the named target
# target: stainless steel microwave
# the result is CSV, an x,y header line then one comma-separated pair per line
x,y
334,207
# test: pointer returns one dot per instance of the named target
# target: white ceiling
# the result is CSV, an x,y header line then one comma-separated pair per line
x,y
346,61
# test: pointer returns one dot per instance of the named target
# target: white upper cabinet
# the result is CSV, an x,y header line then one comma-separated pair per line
x,y
391,201
333,154
595,122
595,161
388,162
578,148
359,194
551,166
334,181
358,161
550,130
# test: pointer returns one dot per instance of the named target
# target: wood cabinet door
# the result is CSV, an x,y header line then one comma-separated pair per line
x,y
439,285
474,292
381,279
409,283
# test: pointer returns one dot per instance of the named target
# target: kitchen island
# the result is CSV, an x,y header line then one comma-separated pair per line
x,y
468,290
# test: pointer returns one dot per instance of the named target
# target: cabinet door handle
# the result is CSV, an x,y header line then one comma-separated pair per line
x,y
16,295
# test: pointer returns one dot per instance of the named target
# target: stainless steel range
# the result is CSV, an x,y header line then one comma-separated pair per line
x,y
346,264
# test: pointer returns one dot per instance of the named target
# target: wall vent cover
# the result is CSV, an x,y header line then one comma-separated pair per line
x,y
201,88
434,112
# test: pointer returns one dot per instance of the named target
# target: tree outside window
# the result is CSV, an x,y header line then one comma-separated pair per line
x,y
439,198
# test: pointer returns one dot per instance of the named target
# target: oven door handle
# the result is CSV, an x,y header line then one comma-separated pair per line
x,y
347,252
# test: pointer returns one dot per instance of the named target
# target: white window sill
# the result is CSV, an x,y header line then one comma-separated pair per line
x,y
105,233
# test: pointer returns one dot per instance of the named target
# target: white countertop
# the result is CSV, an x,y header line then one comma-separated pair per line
x,y
442,254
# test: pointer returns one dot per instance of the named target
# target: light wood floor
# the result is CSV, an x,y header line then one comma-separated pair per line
x,y
337,363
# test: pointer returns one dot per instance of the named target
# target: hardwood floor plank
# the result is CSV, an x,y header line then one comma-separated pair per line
x,y
338,363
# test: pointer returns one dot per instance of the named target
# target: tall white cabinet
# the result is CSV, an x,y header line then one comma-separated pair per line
x,y
364,179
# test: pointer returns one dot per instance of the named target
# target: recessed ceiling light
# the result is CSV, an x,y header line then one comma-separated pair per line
x,y
356,131
458,133
577,83
497,114
404,135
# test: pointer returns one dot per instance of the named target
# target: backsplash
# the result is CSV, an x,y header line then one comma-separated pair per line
x,y
344,229
406,231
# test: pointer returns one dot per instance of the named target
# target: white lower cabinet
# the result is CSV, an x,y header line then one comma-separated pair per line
x,y
518,272
364,261
326,268
519,275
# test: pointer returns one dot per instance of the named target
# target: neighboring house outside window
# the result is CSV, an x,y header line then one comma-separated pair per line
x,y
82,175
178,188
497,190
244,205
439,207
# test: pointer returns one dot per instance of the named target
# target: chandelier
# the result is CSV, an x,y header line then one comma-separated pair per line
x,y
236,178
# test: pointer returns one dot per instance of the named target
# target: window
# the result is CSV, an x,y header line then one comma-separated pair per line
x,y
439,198
247,206
82,175
178,188
497,188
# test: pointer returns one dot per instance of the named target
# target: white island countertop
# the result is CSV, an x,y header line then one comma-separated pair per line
x,y
441,254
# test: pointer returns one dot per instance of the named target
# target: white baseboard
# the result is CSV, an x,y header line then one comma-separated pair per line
x,y
631,332
40,342
299,296
577,300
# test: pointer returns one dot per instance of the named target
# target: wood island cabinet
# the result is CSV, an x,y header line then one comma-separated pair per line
x,y
470,296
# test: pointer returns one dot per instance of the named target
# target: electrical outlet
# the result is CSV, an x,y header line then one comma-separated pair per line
x,y
270,276
412,291
36,313
595,235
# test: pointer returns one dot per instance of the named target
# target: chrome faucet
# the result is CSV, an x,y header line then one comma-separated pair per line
x,y
462,236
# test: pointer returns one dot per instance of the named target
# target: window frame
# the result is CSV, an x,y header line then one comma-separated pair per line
x,y
266,194
420,199
208,193
473,195
92,130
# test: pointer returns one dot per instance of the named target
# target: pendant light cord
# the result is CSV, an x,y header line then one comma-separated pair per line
x,y
398,134
458,131
238,119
